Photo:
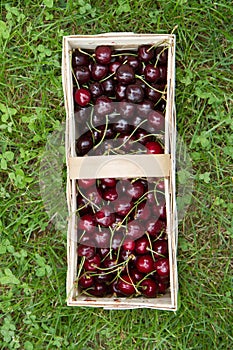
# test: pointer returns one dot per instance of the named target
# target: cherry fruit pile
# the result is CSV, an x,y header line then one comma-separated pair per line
x,y
119,104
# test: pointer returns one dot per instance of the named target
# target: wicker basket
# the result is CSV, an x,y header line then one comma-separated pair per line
x,y
128,166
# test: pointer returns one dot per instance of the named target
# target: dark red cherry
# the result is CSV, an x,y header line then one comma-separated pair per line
x,y
134,62
105,217
136,190
109,182
103,276
84,144
134,93
87,251
86,281
142,136
79,59
163,73
96,89
154,147
156,120
113,66
149,288
102,238
120,92
82,74
110,194
142,212
93,195
98,290
103,106
122,125
128,245
154,227
103,54
125,74
145,107
123,206
161,55
99,71
86,223
86,183
145,54
92,264
145,263
151,73
126,109
160,248
134,230
142,245
162,267
82,97
136,275
152,94
125,285
108,87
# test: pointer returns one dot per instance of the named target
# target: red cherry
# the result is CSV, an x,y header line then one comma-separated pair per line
x,y
86,280
105,217
103,54
149,288
98,290
151,73
86,183
125,285
156,120
145,263
86,223
154,227
128,245
87,251
102,238
160,248
141,245
145,54
82,97
109,182
154,147
162,267
134,230
92,264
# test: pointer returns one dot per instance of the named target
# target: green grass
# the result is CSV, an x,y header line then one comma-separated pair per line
x,y
33,250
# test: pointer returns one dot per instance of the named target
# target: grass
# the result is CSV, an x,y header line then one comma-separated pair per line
x,y
33,249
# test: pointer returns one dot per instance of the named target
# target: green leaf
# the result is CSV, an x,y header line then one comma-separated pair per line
x,y
9,155
205,177
4,32
40,272
28,345
9,278
48,3
3,164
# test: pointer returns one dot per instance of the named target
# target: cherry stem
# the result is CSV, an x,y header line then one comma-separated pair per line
x,y
80,267
124,54
104,134
156,45
86,53
145,82
148,236
109,76
87,199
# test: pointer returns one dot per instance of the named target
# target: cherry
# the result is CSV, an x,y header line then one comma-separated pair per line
x,y
102,238
86,280
83,144
103,252
162,267
82,97
103,105
99,71
128,245
98,290
108,86
156,120
120,92
145,107
103,276
160,248
92,264
82,206
103,54
87,251
142,212
110,194
134,62
125,74
104,217
142,136
109,182
151,73
136,190
134,93
121,125
161,55
154,227
145,54
134,230
82,74
149,288
96,89
154,147
141,245
145,263
86,223
114,289
79,59
125,285
123,206
86,183
113,66
136,275
163,73
160,211
126,109
152,94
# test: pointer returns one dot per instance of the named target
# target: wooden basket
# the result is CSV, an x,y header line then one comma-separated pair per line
x,y
86,167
